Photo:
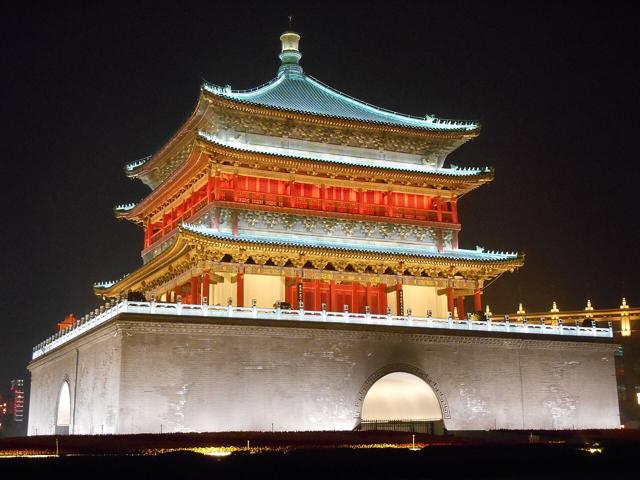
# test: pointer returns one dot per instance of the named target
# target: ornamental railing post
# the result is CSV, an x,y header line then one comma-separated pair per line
x,y
345,313
577,327
205,305
301,311
152,305
367,313
324,312
229,307
450,320
560,326
179,304
488,323
410,315
507,323
278,311
525,323
388,314
593,327
430,318
254,308
610,329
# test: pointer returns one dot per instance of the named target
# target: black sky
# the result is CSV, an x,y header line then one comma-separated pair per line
x,y
87,88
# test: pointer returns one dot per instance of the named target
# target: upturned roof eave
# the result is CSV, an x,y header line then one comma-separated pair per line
x,y
258,108
482,172
446,257
187,238
184,130
471,181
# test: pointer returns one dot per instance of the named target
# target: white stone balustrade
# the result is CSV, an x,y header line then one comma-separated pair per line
x,y
102,315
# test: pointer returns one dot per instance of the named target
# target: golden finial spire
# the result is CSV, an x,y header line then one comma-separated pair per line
x,y
588,309
290,55
625,323
487,311
624,305
520,309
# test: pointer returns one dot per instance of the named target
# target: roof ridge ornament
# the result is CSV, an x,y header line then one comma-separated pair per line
x,y
290,55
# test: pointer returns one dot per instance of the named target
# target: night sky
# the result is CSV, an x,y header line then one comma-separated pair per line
x,y
87,89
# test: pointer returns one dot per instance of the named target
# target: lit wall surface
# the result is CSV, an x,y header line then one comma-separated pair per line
x,y
139,373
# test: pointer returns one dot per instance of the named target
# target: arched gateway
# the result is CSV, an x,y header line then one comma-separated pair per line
x,y
400,398
63,410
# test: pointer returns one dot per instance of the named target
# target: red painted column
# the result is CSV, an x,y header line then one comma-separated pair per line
x,y
360,201
147,234
461,314
477,300
332,307
290,192
454,211
317,298
383,298
450,300
234,187
389,204
240,290
216,187
367,296
205,286
399,300
439,210
209,188
195,290
353,297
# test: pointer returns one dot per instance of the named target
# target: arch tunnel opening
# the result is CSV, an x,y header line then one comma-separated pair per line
x,y
63,412
401,401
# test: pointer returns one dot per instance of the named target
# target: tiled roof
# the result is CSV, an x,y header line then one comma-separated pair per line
x,y
298,92
340,244
341,159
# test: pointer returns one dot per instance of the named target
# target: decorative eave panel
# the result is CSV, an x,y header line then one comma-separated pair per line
x,y
192,250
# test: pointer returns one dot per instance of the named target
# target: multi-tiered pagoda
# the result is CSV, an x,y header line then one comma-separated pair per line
x,y
294,192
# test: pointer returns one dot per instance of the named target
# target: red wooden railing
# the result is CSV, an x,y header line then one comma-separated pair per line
x,y
381,204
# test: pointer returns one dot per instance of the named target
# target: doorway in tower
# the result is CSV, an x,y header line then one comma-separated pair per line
x,y
63,410
335,295
401,401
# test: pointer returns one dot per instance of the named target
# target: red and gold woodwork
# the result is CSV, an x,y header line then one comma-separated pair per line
x,y
195,175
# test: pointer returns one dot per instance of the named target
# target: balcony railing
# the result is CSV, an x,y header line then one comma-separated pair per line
x,y
242,198
331,205
107,312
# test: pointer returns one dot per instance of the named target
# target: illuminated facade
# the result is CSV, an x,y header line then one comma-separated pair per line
x,y
300,246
